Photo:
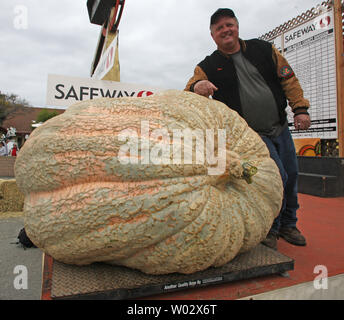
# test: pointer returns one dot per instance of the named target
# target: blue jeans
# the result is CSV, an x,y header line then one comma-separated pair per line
x,y
282,150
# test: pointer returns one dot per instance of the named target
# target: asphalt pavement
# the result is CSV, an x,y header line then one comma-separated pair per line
x,y
20,269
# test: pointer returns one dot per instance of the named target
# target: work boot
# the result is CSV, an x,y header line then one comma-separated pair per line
x,y
293,236
271,240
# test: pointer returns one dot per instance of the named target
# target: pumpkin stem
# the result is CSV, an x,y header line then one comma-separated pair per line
x,y
248,172
237,169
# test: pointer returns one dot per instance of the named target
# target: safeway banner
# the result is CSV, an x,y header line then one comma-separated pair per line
x,y
309,31
63,91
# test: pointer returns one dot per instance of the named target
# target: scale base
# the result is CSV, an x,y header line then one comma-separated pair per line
x,y
102,281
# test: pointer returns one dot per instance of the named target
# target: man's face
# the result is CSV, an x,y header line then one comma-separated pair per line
x,y
225,33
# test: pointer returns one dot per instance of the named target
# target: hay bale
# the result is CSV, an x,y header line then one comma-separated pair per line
x,y
11,199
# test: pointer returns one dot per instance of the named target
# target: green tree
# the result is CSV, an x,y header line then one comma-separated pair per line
x,y
10,103
45,115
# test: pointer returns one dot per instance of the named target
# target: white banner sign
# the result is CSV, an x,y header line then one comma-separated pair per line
x,y
64,91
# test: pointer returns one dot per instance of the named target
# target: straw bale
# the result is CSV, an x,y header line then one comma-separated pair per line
x,y
11,199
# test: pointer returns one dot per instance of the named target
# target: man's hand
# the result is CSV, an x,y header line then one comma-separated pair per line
x,y
204,88
302,122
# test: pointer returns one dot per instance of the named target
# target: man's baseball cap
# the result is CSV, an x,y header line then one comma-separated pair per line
x,y
219,13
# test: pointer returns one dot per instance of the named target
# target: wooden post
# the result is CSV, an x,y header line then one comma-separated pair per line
x,y
340,72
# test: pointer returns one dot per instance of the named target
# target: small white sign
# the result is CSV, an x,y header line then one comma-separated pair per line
x,y
64,91
106,62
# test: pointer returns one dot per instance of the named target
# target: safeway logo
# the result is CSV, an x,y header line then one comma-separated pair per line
x,y
144,94
323,22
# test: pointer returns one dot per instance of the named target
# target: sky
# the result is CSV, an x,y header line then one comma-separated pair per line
x,y
160,42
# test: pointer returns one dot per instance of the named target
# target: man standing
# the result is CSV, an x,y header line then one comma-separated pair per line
x,y
255,80
3,149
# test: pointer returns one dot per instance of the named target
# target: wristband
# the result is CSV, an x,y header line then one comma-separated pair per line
x,y
300,110
303,112
193,86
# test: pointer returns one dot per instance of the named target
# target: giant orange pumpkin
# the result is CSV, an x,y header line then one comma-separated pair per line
x,y
87,198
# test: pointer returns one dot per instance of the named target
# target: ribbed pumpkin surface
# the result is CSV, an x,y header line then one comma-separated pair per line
x,y
83,205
